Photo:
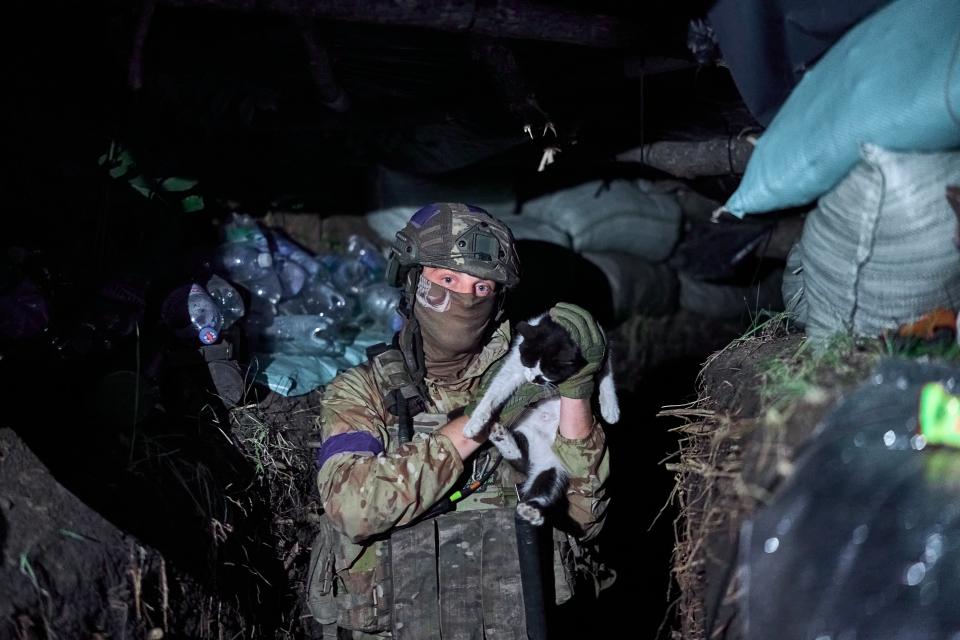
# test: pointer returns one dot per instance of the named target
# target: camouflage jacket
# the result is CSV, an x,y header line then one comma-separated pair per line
x,y
365,493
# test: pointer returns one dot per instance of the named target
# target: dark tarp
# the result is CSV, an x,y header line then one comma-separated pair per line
x,y
864,539
769,44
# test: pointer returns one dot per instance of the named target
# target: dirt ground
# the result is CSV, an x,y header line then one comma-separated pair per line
x,y
761,398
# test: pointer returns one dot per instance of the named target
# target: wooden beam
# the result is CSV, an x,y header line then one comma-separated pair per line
x,y
520,19
684,159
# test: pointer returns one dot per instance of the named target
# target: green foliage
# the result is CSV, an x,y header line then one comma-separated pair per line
x,y
805,370
175,192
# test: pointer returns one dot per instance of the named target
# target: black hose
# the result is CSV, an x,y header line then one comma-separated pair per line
x,y
531,579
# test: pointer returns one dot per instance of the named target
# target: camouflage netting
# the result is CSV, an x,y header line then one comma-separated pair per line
x,y
760,399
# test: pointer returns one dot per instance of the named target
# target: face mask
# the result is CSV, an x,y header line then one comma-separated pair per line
x,y
452,325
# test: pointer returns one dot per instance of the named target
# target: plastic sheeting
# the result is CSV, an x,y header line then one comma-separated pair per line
x,y
769,44
863,541
892,80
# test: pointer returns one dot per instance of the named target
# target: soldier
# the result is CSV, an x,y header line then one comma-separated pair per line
x,y
383,564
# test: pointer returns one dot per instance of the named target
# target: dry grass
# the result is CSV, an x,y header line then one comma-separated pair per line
x,y
727,465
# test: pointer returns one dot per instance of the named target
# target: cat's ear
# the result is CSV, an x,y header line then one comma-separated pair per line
x,y
524,329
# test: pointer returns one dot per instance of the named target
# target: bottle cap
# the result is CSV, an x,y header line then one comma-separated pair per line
x,y
208,335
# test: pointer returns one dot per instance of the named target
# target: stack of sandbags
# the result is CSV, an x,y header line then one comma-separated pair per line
x,y
893,80
626,216
879,248
628,228
637,285
386,223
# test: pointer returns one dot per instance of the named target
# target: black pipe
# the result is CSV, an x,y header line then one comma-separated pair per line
x,y
531,579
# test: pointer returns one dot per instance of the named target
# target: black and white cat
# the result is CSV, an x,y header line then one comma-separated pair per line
x,y
542,353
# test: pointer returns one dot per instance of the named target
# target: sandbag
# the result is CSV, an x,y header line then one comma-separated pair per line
x,y
878,250
794,302
893,80
386,223
637,286
626,216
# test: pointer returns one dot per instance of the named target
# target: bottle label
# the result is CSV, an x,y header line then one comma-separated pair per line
x,y
208,335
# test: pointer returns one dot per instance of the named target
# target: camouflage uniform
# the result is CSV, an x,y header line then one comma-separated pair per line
x,y
366,493
376,569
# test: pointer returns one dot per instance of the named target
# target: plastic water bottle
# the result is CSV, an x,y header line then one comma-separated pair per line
x,y
243,261
352,276
192,314
227,298
290,250
379,303
323,299
292,277
266,286
242,228
367,253
299,334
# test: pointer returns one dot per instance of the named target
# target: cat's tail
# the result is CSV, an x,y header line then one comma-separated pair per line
x,y
609,406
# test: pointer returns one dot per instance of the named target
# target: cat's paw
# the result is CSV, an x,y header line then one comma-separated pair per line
x,y
475,424
610,412
504,442
530,513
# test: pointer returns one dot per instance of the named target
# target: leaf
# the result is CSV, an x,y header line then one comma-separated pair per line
x,y
192,203
178,184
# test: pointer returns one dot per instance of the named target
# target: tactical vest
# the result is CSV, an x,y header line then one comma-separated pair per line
x,y
452,577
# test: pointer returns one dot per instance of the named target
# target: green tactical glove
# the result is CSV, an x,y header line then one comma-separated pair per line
x,y
588,336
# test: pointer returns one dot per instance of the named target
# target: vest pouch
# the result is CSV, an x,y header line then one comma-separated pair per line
x,y
349,583
320,576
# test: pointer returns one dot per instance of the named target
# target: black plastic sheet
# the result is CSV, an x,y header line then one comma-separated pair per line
x,y
863,542
769,44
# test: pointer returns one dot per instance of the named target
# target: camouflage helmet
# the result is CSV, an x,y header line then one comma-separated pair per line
x,y
455,236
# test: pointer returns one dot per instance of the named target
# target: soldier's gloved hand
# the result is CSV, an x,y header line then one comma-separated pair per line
x,y
588,336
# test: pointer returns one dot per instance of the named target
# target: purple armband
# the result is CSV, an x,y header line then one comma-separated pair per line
x,y
353,442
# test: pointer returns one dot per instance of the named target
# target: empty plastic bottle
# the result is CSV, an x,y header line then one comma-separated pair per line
x,y
323,299
367,253
192,314
352,276
243,261
242,228
292,277
266,286
227,298
290,250
299,334
379,303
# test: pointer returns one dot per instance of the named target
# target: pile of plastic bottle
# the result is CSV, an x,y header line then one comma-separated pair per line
x,y
309,315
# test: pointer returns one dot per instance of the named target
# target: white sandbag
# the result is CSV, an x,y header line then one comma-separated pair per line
x,y
386,223
530,228
627,216
794,301
718,300
878,250
637,286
